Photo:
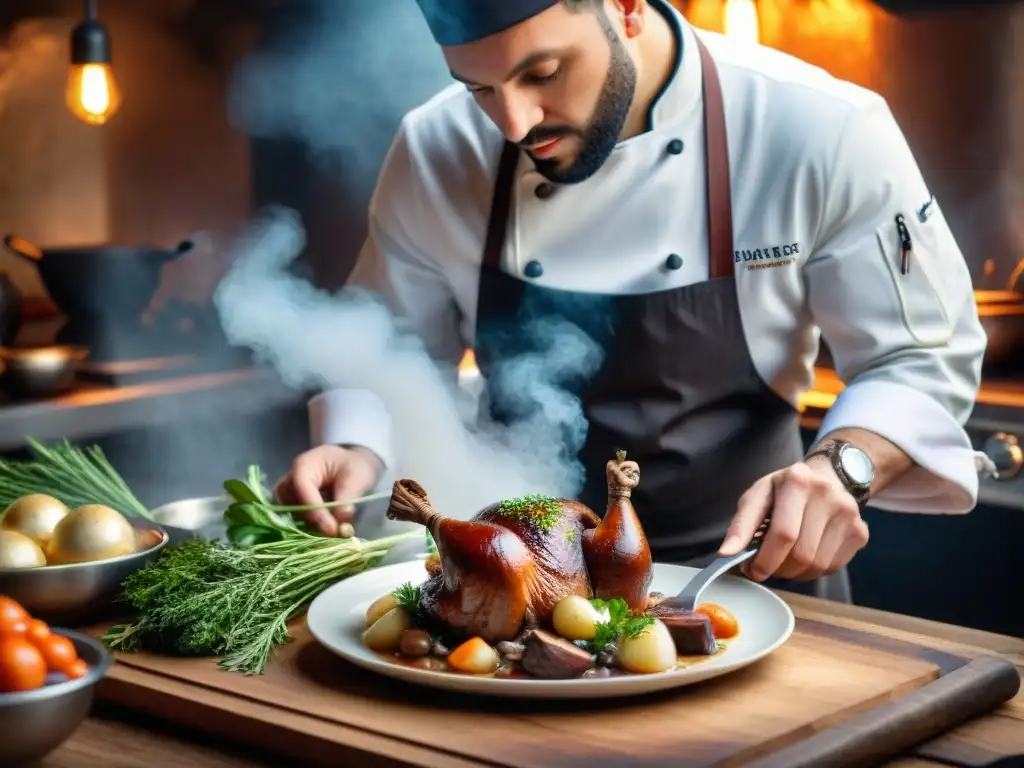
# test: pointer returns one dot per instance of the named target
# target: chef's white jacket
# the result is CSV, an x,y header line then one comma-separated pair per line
x,y
820,170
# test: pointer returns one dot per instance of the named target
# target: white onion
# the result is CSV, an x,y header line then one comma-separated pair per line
x,y
386,632
19,551
379,607
653,650
574,618
91,532
35,516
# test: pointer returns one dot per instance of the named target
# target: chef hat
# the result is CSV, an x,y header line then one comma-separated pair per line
x,y
454,22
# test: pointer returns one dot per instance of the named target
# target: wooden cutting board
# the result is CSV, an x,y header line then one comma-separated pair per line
x,y
829,696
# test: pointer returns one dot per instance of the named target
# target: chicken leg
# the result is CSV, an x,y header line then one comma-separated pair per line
x,y
487,572
617,553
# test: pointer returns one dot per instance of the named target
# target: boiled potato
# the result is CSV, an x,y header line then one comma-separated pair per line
x,y
574,618
89,533
19,551
386,632
379,607
474,657
653,650
35,516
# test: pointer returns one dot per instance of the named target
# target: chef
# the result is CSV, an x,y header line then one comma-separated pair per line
x,y
706,210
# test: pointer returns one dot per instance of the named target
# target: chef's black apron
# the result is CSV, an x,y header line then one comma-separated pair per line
x,y
676,387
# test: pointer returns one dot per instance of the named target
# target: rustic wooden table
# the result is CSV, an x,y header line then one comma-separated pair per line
x,y
114,737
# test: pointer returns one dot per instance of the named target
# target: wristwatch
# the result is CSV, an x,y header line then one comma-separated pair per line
x,y
853,466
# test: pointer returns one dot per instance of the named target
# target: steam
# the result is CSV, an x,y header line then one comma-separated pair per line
x,y
318,340
339,76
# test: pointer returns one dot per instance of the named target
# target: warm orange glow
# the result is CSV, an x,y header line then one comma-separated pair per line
x,y
468,363
1017,274
92,94
840,36
741,20
850,20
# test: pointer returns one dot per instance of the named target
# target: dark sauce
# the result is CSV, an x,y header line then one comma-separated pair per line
x,y
512,670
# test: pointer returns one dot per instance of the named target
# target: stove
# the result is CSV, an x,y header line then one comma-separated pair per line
x,y
179,340
997,429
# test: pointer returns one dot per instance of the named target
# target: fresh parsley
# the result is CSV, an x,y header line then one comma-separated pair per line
x,y
408,597
543,512
255,518
621,624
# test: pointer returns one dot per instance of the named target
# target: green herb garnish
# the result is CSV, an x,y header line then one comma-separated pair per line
x,y
570,535
205,599
73,475
621,624
408,597
543,511
253,517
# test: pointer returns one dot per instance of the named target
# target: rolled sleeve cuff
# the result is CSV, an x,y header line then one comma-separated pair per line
x,y
944,479
351,417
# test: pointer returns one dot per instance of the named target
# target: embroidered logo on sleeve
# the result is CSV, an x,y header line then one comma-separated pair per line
x,y
767,257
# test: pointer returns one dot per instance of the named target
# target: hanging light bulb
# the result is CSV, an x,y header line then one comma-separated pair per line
x,y
92,94
741,20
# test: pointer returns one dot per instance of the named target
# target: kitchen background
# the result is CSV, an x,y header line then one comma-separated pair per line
x,y
230,106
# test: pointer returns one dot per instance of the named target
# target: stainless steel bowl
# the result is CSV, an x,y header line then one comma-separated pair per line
x,y
203,518
34,723
78,592
40,371
194,518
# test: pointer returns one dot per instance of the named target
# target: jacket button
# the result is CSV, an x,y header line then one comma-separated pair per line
x,y
675,147
533,269
544,190
674,261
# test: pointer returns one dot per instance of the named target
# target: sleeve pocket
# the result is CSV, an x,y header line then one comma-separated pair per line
x,y
923,298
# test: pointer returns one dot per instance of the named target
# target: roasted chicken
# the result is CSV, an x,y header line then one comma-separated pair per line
x,y
507,567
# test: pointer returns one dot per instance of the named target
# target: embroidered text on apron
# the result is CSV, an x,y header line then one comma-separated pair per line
x,y
676,388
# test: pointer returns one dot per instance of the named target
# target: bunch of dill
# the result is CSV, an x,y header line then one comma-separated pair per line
x,y
205,599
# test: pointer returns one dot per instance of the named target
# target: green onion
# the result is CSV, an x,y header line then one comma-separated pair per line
x,y
70,474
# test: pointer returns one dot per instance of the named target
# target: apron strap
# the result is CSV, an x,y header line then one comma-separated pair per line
x,y
716,154
719,193
501,206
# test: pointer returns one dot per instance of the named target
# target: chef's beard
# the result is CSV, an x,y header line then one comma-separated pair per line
x,y
598,139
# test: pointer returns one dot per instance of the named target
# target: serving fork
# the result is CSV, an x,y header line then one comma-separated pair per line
x,y
688,599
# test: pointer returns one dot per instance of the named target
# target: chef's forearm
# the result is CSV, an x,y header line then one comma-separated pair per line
x,y
890,462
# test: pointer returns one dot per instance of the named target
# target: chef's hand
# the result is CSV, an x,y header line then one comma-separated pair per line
x,y
342,473
816,526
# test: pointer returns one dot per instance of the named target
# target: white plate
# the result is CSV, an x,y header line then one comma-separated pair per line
x,y
337,619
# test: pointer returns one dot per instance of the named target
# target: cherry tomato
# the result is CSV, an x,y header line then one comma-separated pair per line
x,y
22,667
723,623
12,614
59,653
38,632
77,669
17,629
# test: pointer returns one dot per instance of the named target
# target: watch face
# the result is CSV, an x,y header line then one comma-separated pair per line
x,y
857,465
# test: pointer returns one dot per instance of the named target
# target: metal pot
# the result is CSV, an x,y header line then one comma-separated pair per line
x,y
39,371
1002,317
103,280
